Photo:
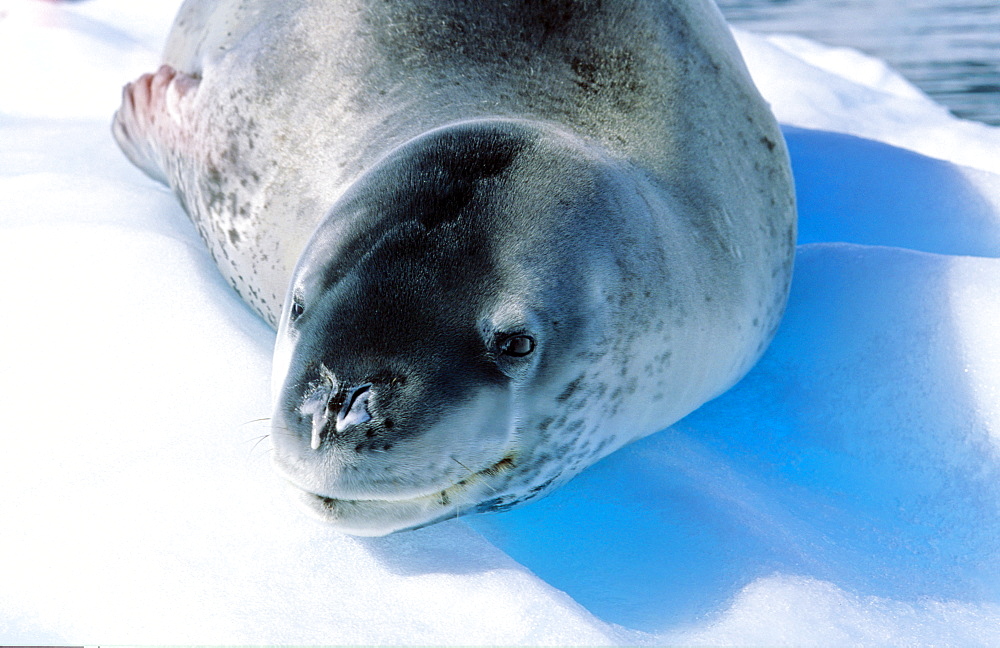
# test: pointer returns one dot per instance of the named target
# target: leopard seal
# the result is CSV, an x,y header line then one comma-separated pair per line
x,y
498,241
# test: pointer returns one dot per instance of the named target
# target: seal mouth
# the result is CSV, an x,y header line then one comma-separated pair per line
x,y
377,517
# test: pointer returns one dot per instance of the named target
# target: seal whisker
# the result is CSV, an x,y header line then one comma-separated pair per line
x,y
463,466
285,431
472,474
257,444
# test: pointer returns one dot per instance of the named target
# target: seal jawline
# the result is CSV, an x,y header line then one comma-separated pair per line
x,y
377,517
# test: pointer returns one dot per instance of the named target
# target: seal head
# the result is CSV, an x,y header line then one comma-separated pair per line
x,y
427,316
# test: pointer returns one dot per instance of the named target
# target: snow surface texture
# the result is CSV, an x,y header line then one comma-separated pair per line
x,y
847,491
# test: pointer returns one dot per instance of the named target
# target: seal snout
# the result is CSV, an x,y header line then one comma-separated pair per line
x,y
343,406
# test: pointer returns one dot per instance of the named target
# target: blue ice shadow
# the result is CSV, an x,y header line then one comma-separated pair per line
x,y
861,191
851,453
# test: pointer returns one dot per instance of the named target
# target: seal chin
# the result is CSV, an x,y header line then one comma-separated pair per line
x,y
379,517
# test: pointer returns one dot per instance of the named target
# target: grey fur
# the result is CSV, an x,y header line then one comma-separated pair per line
x,y
423,179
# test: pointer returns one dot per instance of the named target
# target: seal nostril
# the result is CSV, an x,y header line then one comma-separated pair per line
x,y
355,408
354,395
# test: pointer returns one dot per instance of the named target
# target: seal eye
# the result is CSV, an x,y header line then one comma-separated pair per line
x,y
517,346
296,310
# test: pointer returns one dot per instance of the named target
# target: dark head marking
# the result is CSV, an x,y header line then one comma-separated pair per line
x,y
451,170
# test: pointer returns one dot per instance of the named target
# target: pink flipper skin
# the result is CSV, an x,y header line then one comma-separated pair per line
x,y
150,124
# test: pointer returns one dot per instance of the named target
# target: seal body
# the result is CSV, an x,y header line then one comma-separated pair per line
x,y
498,240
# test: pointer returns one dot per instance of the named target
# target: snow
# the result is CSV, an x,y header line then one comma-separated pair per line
x,y
838,89
846,492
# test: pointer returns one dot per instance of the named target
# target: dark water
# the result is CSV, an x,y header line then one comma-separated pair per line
x,y
948,48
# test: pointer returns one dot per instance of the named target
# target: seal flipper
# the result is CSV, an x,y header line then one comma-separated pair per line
x,y
149,126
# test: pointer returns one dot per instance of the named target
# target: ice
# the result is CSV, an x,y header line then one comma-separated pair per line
x,y
840,90
863,191
846,492
853,452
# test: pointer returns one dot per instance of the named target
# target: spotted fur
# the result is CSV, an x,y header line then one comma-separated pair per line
x,y
399,187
